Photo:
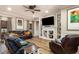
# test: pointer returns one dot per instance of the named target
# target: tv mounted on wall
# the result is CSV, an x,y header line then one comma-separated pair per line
x,y
48,21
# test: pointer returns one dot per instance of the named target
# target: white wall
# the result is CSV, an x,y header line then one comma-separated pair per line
x,y
25,25
64,19
36,28
13,24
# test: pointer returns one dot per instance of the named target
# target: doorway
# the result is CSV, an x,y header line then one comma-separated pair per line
x,y
30,26
5,24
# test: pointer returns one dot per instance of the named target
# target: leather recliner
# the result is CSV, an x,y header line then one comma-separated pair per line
x,y
68,45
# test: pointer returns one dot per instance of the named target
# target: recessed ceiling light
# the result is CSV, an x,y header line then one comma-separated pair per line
x,y
9,9
33,15
46,11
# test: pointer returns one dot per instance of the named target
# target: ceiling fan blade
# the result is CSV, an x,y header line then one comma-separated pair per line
x,y
25,6
33,12
36,10
27,10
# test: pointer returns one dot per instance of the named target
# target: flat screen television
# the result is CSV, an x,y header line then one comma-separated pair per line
x,y
48,21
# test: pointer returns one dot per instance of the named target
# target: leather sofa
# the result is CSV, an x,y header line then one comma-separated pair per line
x,y
22,34
68,45
14,46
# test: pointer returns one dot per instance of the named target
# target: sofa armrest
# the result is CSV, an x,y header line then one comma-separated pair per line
x,y
56,47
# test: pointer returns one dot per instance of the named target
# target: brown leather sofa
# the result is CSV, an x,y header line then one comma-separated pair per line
x,y
69,45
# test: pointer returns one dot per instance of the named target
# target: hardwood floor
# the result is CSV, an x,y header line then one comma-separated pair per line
x,y
43,45
3,49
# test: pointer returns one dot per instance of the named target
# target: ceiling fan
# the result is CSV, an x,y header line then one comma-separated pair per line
x,y
31,8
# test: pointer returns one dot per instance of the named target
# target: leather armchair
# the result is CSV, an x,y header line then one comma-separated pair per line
x,y
69,45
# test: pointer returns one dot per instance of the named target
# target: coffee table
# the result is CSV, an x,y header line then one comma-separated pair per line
x,y
31,49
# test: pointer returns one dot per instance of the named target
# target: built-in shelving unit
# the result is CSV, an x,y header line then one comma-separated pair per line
x,y
48,32
58,25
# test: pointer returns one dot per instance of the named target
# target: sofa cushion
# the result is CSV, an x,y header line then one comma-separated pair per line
x,y
27,33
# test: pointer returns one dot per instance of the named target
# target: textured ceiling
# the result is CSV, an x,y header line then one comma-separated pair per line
x,y
19,10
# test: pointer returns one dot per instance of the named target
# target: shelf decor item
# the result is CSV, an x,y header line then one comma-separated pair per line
x,y
73,19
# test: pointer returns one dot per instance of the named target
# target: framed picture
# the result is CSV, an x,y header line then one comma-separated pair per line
x,y
73,19
3,24
19,23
